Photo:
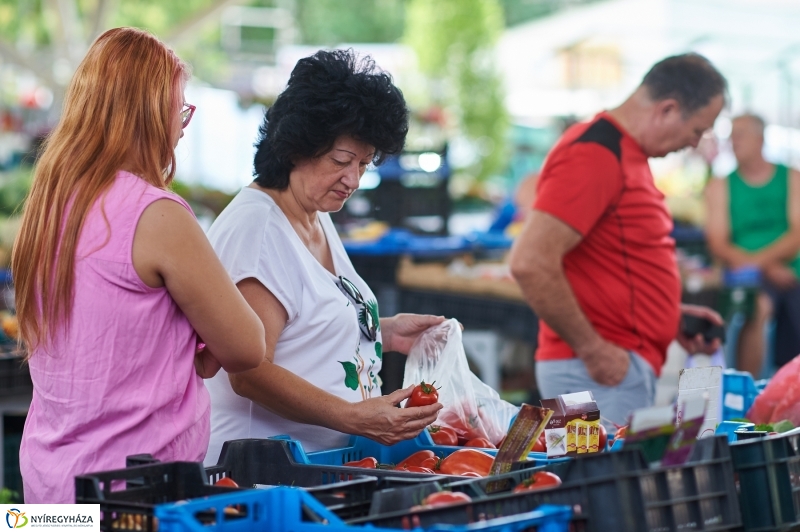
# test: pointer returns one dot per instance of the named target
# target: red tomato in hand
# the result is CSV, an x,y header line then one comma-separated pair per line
x,y
423,395
443,498
603,437
416,459
443,435
466,460
482,443
538,481
228,482
368,462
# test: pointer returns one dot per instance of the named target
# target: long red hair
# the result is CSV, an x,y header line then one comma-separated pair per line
x,y
119,112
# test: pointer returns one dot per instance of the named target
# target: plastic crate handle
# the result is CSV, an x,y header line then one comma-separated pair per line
x,y
296,448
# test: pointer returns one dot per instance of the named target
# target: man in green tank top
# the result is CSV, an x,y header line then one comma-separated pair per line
x,y
753,220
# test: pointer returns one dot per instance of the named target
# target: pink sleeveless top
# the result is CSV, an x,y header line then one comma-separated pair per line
x,y
121,380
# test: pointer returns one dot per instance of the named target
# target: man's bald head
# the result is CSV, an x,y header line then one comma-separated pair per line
x,y
753,121
747,137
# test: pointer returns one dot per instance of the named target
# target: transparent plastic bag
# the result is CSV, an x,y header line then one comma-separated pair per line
x,y
470,407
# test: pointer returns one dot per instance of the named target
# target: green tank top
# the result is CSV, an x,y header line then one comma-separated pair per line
x,y
758,213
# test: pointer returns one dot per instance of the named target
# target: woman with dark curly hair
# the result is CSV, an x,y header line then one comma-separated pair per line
x,y
319,380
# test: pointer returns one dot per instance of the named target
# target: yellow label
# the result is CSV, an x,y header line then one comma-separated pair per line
x,y
582,442
594,436
571,439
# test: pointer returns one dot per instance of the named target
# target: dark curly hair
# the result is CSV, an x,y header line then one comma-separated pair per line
x,y
329,94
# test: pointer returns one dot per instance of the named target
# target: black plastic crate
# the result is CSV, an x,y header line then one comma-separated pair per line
x,y
768,477
607,491
127,497
346,491
15,378
506,482
404,497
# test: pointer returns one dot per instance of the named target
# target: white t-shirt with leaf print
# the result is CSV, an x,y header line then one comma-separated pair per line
x,y
322,341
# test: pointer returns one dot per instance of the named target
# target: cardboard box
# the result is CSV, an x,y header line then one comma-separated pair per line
x,y
574,426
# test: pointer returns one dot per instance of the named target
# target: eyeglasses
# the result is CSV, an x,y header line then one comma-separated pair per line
x,y
186,114
366,321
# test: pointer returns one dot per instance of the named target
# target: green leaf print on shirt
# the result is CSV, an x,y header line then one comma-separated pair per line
x,y
370,306
351,375
379,350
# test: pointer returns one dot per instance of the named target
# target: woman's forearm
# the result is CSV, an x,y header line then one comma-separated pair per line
x,y
290,396
387,331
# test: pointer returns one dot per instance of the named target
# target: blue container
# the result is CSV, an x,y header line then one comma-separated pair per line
x,y
747,277
730,428
739,390
361,447
293,510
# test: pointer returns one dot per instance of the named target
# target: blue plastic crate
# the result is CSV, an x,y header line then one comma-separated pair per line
x,y
729,429
739,390
293,510
361,447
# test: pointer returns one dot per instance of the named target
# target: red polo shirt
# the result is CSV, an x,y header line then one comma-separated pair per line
x,y
624,274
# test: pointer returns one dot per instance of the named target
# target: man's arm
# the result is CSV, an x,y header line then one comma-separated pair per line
x,y
718,228
537,265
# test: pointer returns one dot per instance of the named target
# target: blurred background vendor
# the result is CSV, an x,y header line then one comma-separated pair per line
x,y
754,222
325,341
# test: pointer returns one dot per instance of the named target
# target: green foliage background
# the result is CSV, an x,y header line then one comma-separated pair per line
x,y
454,42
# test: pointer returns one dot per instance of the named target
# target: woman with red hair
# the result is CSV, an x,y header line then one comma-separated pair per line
x,y
116,282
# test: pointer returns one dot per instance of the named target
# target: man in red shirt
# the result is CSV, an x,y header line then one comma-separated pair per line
x,y
595,259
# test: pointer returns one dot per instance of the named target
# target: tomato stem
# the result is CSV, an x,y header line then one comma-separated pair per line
x,y
428,388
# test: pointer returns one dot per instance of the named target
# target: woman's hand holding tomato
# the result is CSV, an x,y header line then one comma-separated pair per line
x,y
379,420
423,395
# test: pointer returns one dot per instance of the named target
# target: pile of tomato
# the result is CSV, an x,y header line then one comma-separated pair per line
x,y
464,462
